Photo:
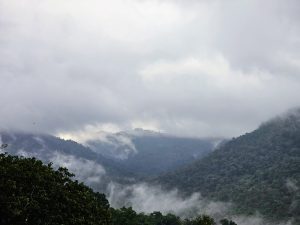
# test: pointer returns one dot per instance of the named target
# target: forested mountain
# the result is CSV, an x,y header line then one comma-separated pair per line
x,y
151,153
122,157
258,171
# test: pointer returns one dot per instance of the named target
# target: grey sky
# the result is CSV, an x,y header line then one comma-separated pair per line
x,y
197,68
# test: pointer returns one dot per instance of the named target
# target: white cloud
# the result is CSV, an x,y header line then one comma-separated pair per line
x,y
216,73
195,68
85,170
146,198
90,132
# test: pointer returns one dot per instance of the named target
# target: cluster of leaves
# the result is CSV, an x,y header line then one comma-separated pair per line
x,y
127,216
33,193
259,171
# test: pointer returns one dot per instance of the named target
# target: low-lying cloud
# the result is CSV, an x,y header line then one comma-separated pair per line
x,y
147,198
119,145
85,170
88,171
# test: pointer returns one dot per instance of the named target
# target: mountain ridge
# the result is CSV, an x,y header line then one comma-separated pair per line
x,y
149,152
255,171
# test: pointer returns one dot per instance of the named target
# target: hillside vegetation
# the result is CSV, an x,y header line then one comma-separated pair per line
x,y
259,171
34,193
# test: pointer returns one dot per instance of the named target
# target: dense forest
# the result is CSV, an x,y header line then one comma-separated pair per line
x,y
34,193
259,171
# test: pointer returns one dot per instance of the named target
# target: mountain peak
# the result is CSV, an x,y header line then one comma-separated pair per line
x,y
286,121
140,132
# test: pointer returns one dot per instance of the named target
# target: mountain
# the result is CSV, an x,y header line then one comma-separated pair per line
x,y
123,157
89,166
258,171
151,153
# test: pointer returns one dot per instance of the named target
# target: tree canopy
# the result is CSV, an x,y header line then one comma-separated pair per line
x,y
33,193
258,172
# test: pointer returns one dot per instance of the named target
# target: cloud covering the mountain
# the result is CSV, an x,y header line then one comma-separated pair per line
x,y
204,68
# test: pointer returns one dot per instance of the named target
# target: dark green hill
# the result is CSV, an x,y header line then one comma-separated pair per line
x,y
33,193
259,171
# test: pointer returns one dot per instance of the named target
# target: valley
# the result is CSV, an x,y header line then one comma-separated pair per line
x,y
256,172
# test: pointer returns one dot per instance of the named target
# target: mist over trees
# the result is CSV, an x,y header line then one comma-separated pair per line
x,y
34,193
258,171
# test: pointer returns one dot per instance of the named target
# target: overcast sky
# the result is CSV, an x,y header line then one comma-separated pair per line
x,y
186,67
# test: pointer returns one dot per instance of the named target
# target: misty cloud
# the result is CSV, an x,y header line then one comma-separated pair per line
x,y
196,68
291,185
119,145
257,220
85,170
147,198
1,143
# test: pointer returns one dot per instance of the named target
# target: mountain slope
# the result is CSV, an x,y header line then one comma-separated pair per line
x,y
122,157
151,153
90,167
257,171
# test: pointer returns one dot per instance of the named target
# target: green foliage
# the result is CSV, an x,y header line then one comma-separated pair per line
x,y
259,171
200,220
227,222
127,216
33,193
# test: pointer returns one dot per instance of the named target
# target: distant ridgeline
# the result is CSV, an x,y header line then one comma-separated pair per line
x,y
123,155
33,193
259,171
149,153
67,153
